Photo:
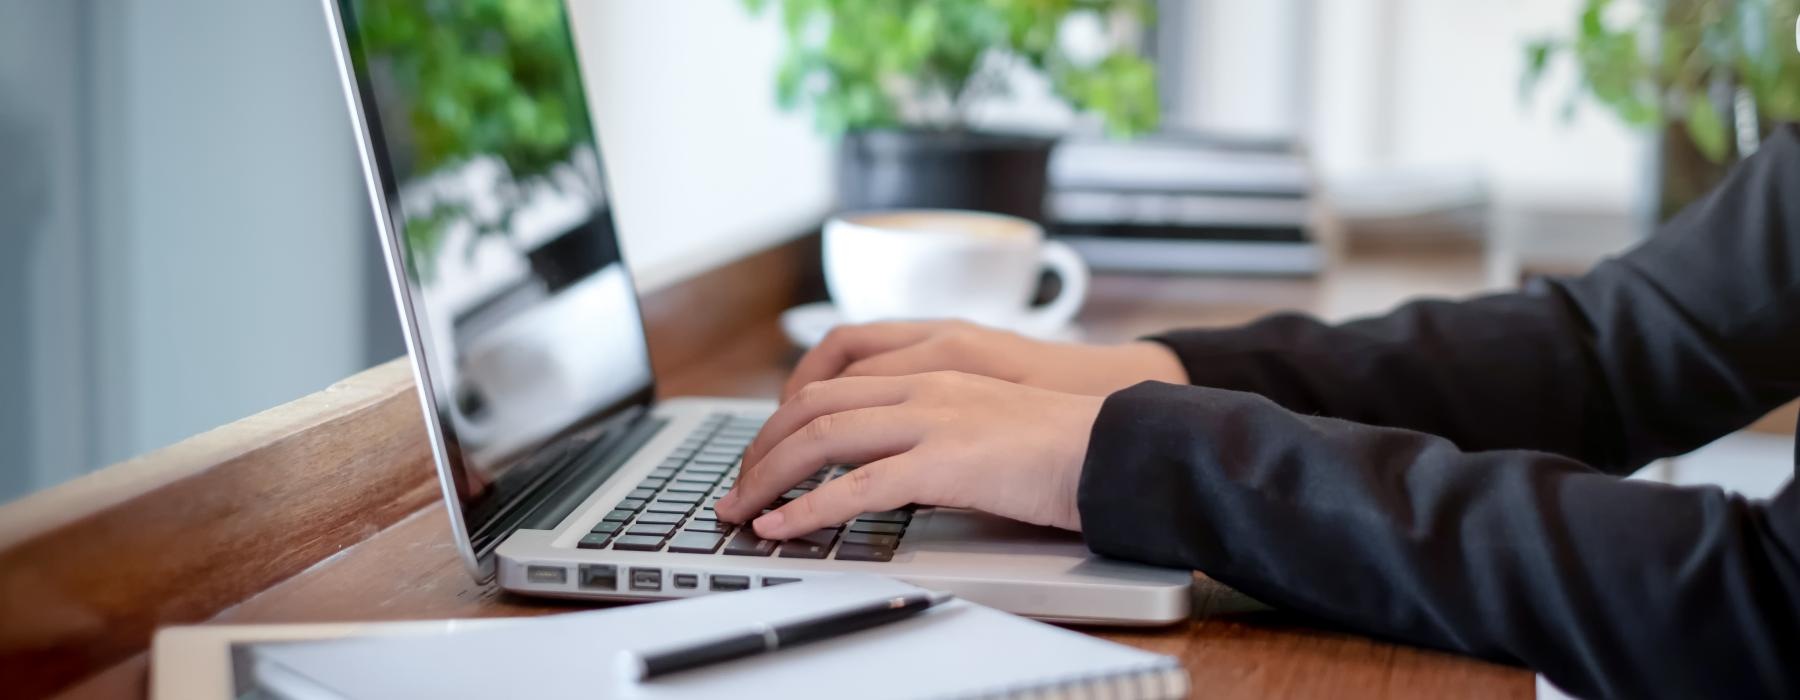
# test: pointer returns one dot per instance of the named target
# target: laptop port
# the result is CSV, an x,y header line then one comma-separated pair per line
x,y
768,581
646,579
687,580
603,577
729,583
546,574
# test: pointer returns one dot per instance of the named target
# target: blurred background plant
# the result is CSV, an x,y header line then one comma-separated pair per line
x,y
1715,75
863,65
517,100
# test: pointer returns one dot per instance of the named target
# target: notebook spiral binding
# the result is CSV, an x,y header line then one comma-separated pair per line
x,y
1166,679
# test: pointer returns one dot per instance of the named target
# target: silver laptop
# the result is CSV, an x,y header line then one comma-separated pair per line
x,y
563,473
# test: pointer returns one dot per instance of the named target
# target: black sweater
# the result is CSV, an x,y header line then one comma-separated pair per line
x,y
1449,474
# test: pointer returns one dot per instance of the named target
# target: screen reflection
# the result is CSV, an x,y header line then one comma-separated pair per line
x,y
523,309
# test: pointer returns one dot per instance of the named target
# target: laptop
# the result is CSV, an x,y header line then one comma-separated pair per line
x,y
564,474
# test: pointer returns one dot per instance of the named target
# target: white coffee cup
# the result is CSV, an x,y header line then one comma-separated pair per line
x,y
941,263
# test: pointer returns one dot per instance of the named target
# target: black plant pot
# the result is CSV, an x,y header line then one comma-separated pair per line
x,y
999,173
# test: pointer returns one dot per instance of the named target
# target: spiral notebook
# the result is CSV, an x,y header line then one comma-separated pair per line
x,y
954,650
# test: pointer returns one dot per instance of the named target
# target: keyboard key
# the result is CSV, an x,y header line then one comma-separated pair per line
x,y
631,504
747,544
652,529
877,528
795,549
853,551
663,506
595,540
712,526
608,526
660,519
638,543
700,487
714,470
642,494
813,545
696,542
793,494
671,464
681,497
871,539
619,515
654,482
888,516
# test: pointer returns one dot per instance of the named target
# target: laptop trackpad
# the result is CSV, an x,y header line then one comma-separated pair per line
x,y
973,532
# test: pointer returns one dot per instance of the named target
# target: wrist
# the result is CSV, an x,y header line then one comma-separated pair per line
x,y
1156,362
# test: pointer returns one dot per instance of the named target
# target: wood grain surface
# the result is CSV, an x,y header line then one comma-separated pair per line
x,y
324,510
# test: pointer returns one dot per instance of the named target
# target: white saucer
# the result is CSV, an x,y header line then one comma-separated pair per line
x,y
807,324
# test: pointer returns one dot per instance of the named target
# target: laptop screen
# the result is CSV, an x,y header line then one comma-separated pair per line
x,y
522,320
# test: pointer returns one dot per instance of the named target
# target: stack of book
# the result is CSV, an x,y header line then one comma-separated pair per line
x,y
1185,203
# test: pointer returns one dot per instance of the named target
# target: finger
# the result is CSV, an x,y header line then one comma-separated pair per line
x,y
875,487
937,354
818,399
919,357
847,344
851,437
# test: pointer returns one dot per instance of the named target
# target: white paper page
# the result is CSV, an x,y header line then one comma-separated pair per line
x,y
954,649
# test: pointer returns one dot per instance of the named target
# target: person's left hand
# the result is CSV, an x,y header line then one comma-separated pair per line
x,y
940,438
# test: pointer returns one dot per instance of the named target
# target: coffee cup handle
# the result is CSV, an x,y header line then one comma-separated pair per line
x,y
1073,271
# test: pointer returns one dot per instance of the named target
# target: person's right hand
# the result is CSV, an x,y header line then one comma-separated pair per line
x,y
914,347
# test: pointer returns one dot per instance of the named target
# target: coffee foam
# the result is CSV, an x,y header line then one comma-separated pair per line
x,y
971,223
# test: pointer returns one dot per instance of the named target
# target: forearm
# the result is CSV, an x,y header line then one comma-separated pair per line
x,y
1609,587
1499,372
1683,339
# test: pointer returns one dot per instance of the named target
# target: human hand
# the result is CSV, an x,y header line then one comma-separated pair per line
x,y
901,348
942,438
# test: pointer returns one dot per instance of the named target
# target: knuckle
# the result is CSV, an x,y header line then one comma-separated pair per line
x,y
859,485
808,393
820,428
837,335
804,509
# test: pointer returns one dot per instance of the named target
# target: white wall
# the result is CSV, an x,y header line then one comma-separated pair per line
x,y
231,217
1424,94
703,166
1413,103
1248,67
41,418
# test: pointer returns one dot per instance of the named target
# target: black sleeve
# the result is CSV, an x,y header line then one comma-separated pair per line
x,y
1609,587
1504,534
1684,339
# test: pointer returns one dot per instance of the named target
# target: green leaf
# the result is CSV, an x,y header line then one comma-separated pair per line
x,y
1537,57
854,62
1707,129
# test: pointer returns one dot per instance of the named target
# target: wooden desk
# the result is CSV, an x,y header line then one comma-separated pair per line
x,y
360,565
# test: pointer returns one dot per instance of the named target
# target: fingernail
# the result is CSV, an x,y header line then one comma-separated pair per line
x,y
770,522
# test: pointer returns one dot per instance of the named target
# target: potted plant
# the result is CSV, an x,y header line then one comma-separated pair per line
x,y
896,80
1712,76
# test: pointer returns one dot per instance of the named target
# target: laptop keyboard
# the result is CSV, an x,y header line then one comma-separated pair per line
x,y
672,509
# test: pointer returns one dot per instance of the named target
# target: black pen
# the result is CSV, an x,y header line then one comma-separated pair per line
x,y
645,665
